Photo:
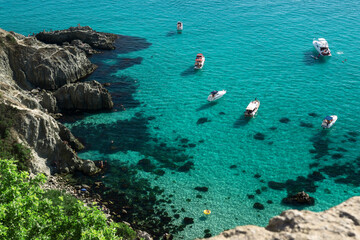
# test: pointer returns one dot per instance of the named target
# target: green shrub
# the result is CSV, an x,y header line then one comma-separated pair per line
x,y
9,147
10,38
28,212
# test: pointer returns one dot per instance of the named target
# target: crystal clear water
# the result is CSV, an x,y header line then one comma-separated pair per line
x,y
253,49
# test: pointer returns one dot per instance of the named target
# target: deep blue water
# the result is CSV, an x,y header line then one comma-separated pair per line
x,y
253,49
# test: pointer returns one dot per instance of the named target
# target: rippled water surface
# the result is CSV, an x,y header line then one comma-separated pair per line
x,y
253,49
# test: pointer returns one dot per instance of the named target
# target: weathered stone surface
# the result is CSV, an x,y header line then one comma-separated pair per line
x,y
339,222
20,60
84,46
143,235
67,136
86,34
301,198
83,96
48,101
35,64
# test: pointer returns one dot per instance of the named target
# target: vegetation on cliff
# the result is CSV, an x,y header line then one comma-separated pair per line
x,y
27,211
9,146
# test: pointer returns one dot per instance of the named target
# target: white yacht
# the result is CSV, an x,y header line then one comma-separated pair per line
x,y
199,61
252,108
322,47
215,95
329,121
179,26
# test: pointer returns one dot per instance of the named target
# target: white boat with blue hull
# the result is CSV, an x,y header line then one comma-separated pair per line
x,y
215,95
329,121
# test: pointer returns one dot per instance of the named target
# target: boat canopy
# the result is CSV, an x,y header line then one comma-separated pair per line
x,y
328,118
214,92
252,106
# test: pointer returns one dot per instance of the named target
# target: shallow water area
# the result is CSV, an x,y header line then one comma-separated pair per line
x,y
253,49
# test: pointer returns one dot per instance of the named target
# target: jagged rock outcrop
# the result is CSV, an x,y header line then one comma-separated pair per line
x,y
83,96
35,64
41,133
98,40
26,66
339,222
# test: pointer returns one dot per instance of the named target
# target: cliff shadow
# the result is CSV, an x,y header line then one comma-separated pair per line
x,y
128,44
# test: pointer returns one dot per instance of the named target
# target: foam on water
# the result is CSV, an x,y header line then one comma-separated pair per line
x,y
253,49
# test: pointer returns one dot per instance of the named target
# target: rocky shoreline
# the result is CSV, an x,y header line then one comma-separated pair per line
x,y
339,222
39,81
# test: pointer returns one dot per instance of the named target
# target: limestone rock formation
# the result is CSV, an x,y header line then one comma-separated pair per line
x,y
83,96
339,222
41,132
35,64
97,40
26,66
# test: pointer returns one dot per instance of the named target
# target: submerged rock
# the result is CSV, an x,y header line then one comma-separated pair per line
x,y
258,206
259,136
201,189
202,120
188,220
301,198
284,120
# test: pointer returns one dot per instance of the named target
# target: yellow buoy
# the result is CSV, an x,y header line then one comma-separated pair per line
x,y
207,211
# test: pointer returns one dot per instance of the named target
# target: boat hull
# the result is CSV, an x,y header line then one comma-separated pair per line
x,y
218,95
317,45
252,113
325,125
201,66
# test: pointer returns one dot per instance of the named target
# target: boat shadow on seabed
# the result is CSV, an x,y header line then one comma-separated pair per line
x,y
189,71
206,106
312,57
241,121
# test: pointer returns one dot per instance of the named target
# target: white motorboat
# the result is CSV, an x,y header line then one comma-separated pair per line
x,y
322,47
179,26
215,95
199,61
252,108
329,121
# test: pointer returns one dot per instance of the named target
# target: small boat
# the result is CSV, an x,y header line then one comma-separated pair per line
x,y
252,108
199,61
329,121
179,26
215,95
322,47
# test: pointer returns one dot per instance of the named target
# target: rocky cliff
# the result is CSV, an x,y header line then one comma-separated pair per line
x,y
36,64
37,79
97,40
83,96
339,222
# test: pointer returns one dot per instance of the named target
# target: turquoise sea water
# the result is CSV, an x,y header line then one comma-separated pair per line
x,y
253,49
